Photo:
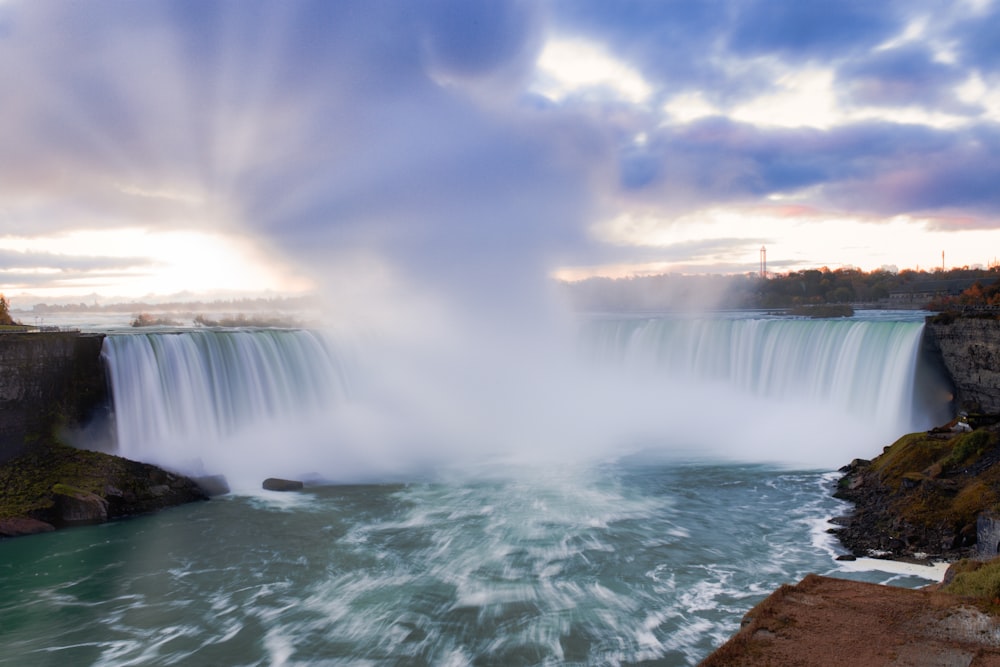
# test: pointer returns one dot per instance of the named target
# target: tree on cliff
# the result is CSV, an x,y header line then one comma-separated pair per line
x,y
5,318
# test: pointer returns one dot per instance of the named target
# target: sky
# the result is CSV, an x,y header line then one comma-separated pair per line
x,y
264,147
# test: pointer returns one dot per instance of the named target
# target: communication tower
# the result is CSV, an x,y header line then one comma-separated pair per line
x,y
763,262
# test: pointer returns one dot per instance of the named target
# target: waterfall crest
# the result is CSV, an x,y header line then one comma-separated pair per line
x,y
182,392
864,368
276,403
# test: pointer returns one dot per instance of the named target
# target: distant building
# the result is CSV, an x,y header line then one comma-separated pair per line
x,y
920,293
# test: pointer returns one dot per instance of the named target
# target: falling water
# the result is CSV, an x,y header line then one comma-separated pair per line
x,y
281,398
182,393
622,559
863,368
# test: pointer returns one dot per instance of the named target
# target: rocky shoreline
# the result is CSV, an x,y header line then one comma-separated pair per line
x,y
55,486
932,496
922,497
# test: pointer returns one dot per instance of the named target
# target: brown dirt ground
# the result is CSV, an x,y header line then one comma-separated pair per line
x,y
822,621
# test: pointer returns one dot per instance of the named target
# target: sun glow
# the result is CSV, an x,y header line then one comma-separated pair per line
x,y
138,262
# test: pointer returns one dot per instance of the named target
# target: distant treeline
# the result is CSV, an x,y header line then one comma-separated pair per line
x,y
880,288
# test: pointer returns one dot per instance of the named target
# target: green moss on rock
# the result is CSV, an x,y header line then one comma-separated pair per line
x,y
922,494
31,484
975,579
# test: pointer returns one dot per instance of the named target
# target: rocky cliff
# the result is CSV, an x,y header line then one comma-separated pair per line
x,y
47,379
969,347
51,385
926,493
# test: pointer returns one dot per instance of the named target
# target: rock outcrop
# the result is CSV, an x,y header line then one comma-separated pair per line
x,y
969,346
47,379
53,486
278,484
922,496
926,494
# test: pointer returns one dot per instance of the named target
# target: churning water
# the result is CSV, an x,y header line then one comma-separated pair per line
x,y
646,550
619,565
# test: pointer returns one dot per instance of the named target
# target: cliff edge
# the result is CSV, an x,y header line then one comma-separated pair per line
x,y
969,346
47,380
53,384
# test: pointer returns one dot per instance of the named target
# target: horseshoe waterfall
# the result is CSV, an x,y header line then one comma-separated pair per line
x,y
621,498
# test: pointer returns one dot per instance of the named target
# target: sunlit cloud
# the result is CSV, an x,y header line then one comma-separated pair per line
x,y
688,107
466,142
569,66
136,262
802,98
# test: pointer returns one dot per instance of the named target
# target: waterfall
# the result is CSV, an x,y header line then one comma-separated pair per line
x,y
276,403
176,394
864,368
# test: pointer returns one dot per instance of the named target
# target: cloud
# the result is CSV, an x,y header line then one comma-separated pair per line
x,y
812,30
414,134
330,128
904,76
13,259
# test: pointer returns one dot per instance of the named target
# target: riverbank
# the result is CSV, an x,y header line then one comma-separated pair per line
x,y
923,496
927,497
54,486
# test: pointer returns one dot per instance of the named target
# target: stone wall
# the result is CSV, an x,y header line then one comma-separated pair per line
x,y
970,350
47,379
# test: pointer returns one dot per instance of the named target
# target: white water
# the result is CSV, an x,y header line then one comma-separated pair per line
x,y
864,369
178,396
252,404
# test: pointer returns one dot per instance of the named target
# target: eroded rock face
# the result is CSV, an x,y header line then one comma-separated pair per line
x,y
44,375
970,350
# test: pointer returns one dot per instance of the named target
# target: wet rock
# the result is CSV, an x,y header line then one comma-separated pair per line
x,y
56,485
213,485
22,525
75,506
278,484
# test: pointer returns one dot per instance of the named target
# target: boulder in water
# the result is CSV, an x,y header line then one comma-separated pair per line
x,y
76,506
278,484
